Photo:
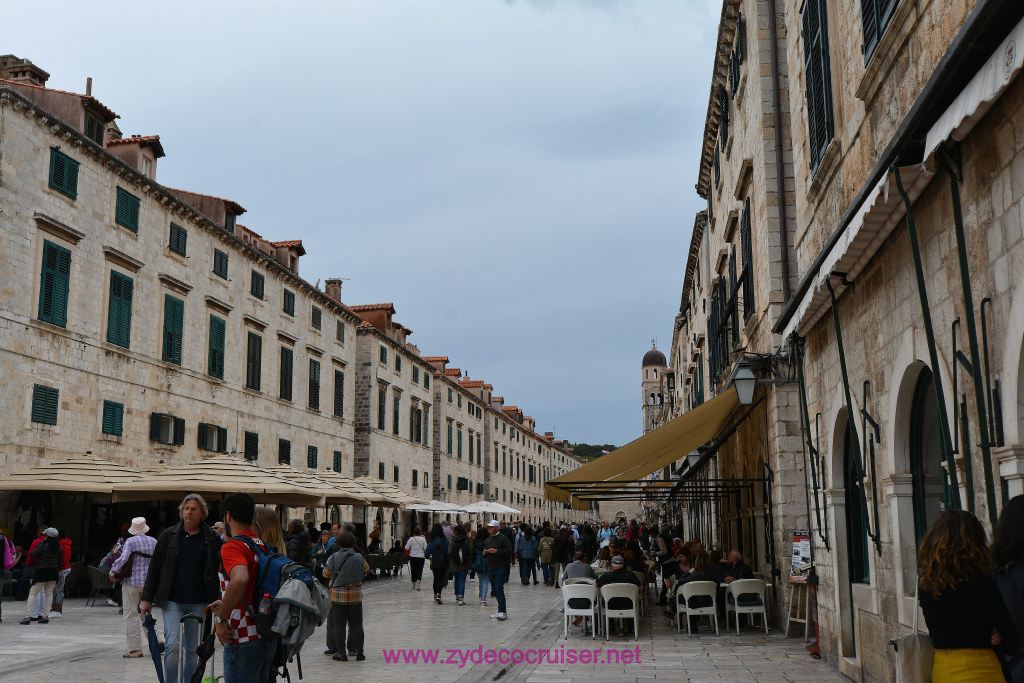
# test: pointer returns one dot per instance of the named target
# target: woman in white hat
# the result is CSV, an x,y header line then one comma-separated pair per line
x,y
130,569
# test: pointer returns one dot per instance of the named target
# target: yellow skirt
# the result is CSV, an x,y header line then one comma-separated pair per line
x,y
966,666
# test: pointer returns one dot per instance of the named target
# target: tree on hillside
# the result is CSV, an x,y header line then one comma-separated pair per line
x,y
589,452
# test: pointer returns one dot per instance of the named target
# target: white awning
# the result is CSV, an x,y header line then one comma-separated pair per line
x,y
984,89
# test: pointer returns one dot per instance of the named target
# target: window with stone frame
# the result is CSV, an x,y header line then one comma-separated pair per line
x,y
875,16
818,77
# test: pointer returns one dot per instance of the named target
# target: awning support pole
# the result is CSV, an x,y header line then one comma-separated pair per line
x,y
870,441
961,423
980,400
809,448
929,333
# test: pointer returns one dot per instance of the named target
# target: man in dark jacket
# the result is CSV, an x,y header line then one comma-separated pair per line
x,y
736,569
182,578
297,541
497,552
619,573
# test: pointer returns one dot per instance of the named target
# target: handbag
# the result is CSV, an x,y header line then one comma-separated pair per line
x,y
129,564
914,652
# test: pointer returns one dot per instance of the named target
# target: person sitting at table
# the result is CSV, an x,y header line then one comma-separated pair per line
x,y
619,573
578,569
685,574
634,556
604,557
735,569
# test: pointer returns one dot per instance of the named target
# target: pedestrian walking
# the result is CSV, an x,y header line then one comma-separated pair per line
x,y
130,570
182,579
480,563
562,551
57,601
45,556
298,543
526,552
437,552
1008,557
345,569
247,655
26,578
544,548
460,560
416,547
498,552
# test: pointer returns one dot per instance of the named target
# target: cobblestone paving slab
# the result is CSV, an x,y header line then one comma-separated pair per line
x,y
86,644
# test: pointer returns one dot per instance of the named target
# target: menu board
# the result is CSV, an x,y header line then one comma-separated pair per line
x,y
801,560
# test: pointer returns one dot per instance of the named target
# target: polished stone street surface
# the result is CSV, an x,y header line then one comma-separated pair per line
x,y
86,644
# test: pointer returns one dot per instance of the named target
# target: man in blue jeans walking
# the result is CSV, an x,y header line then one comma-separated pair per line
x,y
497,552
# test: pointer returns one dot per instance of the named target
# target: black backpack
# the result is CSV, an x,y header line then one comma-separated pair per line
x,y
461,553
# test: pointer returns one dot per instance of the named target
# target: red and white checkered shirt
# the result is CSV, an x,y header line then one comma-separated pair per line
x,y
241,620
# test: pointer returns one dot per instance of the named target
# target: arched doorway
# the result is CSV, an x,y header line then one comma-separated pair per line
x,y
928,478
856,521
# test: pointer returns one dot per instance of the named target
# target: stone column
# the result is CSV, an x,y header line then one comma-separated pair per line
x,y
1011,467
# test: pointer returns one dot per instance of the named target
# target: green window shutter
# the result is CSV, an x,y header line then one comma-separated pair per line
x,y
119,315
316,317
220,263
113,418
127,212
155,424
179,240
289,302
314,384
426,380
63,173
339,333
256,285
174,320
817,73
254,353
215,365
44,404
56,280
179,431
396,415
337,461
203,432
93,128
311,457
339,393
252,445
284,451
286,373
384,354
222,439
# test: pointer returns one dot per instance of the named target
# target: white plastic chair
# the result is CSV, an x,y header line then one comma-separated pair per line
x,y
621,590
581,591
695,589
578,580
748,586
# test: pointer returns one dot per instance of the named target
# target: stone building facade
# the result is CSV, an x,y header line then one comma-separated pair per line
x,y
888,358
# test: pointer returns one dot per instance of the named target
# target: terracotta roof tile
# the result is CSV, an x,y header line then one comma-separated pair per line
x,y
287,243
365,325
488,386
88,98
436,359
374,307
453,372
510,409
134,138
238,210
471,384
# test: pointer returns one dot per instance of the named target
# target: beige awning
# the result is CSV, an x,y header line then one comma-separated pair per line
x,y
353,487
85,473
645,455
393,493
217,478
334,493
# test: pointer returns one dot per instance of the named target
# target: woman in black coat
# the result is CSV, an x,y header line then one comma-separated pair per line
x,y
46,557
297,541
561,552
1008,558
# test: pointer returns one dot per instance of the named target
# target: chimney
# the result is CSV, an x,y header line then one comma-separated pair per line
x,y
332,287
88,86
21,71
497,402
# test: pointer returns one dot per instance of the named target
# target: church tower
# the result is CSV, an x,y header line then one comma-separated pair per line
x,y
654,391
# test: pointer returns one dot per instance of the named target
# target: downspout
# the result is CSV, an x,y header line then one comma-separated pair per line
x,y
779,178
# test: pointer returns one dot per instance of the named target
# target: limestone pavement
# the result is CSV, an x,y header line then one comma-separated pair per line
x,y
86,644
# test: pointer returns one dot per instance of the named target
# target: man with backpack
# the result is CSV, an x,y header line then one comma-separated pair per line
x,y
247,654
460,560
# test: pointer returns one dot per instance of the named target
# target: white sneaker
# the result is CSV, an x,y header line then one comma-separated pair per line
x,y
111,602
501,616
497,615
54,615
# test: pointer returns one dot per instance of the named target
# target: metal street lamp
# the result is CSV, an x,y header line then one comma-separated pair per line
x,y
744,380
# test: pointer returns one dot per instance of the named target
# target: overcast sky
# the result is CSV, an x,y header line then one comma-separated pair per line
x,y
515,175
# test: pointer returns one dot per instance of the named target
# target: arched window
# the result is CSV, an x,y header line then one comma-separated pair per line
x,y
929,480
655,374
661,400
856,522
652,399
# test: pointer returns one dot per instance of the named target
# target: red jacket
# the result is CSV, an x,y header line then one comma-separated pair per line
x,y
65,553
29,560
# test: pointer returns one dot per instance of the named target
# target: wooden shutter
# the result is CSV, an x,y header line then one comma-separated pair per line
x,y
340,332
44,404
174,317
63,174
818,76
119,314
747,252
179,431
314,384
256,287
252,445
113,418
56,279
317,316
215,365
155,424
179,239
254,353
203,442
286,373
284,451
741,39
339,393
289,302
127,213
337,463
222,439
220,263
723,107
311,457
869,20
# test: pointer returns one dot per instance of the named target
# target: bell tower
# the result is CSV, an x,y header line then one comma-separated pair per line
x,y
653,371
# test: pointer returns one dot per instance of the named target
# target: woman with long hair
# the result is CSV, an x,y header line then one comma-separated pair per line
x,y
1008,558
962,605
437,551
417,548
268,526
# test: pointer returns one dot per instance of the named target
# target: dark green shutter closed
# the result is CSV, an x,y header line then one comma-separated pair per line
x,y
174,320
286,373
202,440
215,366
314,384
817,73
256,286
56,280
311,457
252,445
113,418
289,302
337,462
179,431
119,315
222,439
254,354
179,240
127,211
220,263
747,252
155,424
63,174
44,404
284,452
339,393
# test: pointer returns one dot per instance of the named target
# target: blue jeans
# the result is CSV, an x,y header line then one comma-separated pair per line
x,y
249,662
172,613
460,583
497,579
548,570
526,566
482,577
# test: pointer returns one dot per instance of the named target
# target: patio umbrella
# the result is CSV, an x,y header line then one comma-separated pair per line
x,y
437,506
372,496
217,478
149,623
393,493
487,506
83,473
334,493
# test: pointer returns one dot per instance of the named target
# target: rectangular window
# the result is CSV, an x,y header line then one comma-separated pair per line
x,y
167,429
396,479
178,242
55,282
252,446
119,313
44,404
395,414
337,461
415,477
426,379
451,396
256,285
314,384
212,438
398,363
311,457
316,317
426,480
384,355
875,16
817,73
127,213
174,320
215,362
220,264
94,128
450,436
382,404
380,470
286,374
284,452
289,302
449,481
415,375
229,222
747,270
339,333
459,450
63,173
253,361
113,418
339,393
723,110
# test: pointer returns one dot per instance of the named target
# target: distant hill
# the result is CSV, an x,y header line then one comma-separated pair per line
x,y
589,452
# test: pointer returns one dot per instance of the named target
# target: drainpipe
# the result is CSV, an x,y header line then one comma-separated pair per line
x,y
779,179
